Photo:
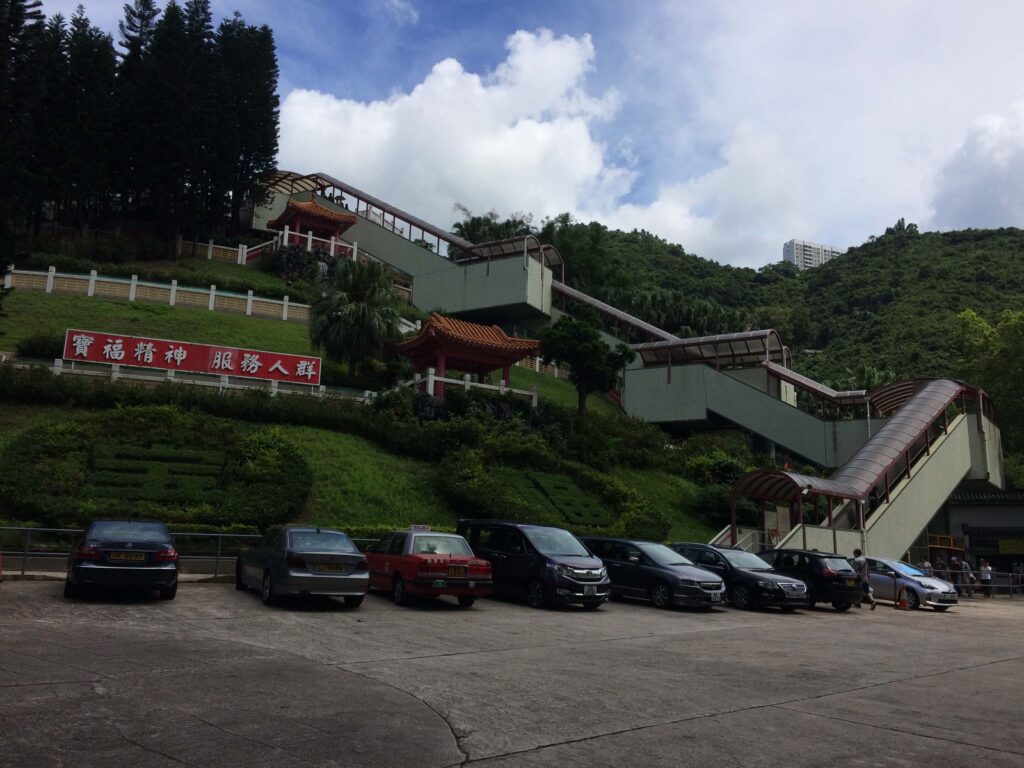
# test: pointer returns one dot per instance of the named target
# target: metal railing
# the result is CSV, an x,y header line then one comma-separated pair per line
x,y
51,537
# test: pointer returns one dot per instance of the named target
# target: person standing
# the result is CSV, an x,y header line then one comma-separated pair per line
x,y
968,576
955,571
925,566
860,565
986,578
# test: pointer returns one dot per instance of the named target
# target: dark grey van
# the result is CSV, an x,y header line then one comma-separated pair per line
x,y
540,563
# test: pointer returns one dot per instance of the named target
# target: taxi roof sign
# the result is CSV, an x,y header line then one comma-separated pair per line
x,y
419,528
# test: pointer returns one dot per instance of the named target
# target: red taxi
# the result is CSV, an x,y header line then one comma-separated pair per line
x,y
424,563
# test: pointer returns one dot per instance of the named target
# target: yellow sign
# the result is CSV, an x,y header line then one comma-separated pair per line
x,y
1011,546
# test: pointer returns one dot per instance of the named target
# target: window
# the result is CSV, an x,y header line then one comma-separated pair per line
x,y
707,557
440,545
397,545
383,544
117,530
320,541
500,539
272,539
601,548
628,551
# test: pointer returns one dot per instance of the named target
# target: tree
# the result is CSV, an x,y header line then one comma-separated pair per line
x,y
353,318
993,358
593,365
247,148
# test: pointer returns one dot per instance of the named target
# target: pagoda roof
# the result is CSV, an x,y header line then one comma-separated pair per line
x,y
314,208
468,346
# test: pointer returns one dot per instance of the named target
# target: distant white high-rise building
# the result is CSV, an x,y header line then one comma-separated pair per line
x,y
804,254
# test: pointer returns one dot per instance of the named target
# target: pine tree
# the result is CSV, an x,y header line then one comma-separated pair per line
x,y
248,141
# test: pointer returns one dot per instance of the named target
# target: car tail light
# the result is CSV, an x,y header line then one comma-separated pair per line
x,y
169,555
294,561
87,553
361,566
829,573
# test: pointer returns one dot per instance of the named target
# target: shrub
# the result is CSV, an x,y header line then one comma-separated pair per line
x,y
44,346
645,523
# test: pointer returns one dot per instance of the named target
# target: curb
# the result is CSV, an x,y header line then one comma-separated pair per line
x,y
182,581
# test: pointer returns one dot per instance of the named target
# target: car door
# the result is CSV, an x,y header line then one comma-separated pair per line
x,y
255,560
393,558
375,562
495,543
611,554
880,577
713,562
635,574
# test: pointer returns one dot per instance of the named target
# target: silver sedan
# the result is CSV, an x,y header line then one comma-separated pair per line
x,y
302,560
890,576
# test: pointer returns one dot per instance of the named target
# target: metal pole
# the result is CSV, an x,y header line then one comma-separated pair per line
x,y
216,563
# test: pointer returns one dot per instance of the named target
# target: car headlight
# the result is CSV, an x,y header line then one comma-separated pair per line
x,y
602,572
687,583
767,584
922,584
561,570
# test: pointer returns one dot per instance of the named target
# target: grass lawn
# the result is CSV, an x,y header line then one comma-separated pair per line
x,y
558,390
200,273
673,495
31,312
357,483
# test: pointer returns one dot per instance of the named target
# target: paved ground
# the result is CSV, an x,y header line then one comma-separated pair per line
x,y
216,679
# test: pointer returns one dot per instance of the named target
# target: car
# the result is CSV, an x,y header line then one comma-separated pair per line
x,y
829,577
750,581
887,576
652,571
123,554
303,560
541,563
424,563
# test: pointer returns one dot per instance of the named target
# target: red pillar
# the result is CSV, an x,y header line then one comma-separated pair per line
x,y
439,369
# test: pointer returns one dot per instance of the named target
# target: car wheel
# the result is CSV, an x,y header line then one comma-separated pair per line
x,y
913,601
398,591
535,594
353,601
267,592
840,606
70,590
660,594
466,601
741,598
239,584
168,593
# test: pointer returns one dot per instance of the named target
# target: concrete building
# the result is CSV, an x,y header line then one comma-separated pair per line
x,y
804,254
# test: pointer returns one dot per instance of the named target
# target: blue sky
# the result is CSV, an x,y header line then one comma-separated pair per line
x,y
726,127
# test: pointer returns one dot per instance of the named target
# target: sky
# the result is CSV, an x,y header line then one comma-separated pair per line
x,y
728,128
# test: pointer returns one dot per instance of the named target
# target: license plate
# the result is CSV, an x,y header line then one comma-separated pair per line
x,y
589,590
947,598
457,571
715,597
851,582
440,584
135,557
330,568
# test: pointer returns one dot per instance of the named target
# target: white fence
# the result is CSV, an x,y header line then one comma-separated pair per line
x,y
428,382
174,295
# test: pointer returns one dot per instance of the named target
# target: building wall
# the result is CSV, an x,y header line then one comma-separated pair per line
x,y
804,254
483,285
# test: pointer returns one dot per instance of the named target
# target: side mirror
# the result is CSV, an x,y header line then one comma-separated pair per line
x,y
634,560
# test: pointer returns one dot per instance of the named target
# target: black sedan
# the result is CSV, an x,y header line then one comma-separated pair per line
x,y
752,583
829,577
123,553
653,571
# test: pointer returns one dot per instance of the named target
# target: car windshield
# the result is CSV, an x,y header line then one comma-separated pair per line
x,y
555,541
748,561
124,530
837,564
905,569
320,541
662,555
440,545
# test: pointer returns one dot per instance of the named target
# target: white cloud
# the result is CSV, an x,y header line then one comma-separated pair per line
x,y
982,185
516,139
402,11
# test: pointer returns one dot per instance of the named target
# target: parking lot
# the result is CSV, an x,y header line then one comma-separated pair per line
x,y
214,678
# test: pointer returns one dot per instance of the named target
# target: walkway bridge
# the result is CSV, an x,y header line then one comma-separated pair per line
x,y
939,433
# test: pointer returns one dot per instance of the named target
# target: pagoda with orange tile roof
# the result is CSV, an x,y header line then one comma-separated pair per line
x,y
305,212
445,343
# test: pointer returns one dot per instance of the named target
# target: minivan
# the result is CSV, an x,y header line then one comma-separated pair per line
x,y
539,563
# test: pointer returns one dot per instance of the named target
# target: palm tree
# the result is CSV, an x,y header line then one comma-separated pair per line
x,y
353,318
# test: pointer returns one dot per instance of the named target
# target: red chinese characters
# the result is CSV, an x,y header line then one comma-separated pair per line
x,y
95,347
